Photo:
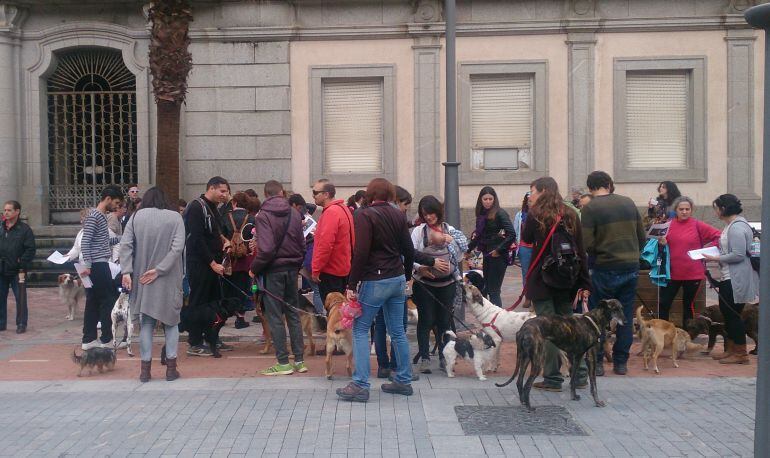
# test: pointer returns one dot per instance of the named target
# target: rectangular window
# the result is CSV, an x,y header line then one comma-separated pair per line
x,y
657,109
352,126
501,121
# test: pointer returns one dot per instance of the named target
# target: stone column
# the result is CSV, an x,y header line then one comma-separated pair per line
x,y
9,145
426,117
740,114
581,107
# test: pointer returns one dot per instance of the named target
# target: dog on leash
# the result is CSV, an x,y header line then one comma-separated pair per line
x,y
71,290
577,335
495,321
711,322
121,312
479,347
306,321
657,334
337,336
98,357
209,319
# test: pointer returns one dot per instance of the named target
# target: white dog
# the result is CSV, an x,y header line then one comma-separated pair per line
x,y
122,312
480,348
70,291
495,321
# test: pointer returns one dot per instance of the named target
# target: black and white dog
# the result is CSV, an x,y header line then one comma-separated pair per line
x,y
479,348
121,311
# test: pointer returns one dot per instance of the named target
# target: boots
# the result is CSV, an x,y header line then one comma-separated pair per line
x,y
171,372
145,376
739,356
728,351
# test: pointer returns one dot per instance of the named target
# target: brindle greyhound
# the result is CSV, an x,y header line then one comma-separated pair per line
x,y
576,335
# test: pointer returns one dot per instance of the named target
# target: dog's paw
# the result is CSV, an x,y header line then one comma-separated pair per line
x,y
657,371
482,378
600,403
451,375
705,352
217,355
676,365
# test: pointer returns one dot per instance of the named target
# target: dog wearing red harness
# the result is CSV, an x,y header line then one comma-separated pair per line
x,y
495,321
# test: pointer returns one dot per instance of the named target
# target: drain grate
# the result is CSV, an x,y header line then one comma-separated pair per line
x,y
496,420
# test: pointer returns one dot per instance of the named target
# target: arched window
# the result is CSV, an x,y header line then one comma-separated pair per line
x,y
91,127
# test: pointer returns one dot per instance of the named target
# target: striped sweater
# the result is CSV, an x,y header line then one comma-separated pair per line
x,y
96,242
612,232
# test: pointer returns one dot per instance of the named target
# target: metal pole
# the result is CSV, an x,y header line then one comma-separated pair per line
x,y
451,180
759,17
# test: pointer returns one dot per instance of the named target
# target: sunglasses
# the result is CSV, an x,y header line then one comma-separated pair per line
x,y
315,193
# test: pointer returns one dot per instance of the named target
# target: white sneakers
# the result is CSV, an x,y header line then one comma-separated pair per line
x,y
96,343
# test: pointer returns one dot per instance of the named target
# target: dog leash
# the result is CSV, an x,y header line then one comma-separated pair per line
x,y
256,288
451,311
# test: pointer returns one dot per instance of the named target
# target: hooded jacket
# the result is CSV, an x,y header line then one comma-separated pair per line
x,y
271,225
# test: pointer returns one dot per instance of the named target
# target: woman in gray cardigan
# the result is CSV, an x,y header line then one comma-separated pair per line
x,y
151,249
739,282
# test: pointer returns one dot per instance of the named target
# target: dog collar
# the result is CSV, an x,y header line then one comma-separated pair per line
x,y
593,323
491,324
711,322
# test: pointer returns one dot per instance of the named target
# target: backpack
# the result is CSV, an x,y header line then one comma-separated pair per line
x,y
755,248
240,249
561,262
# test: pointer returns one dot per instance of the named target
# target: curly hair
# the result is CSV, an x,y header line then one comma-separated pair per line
x,y
549,205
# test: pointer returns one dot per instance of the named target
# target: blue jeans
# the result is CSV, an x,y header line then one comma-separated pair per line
x,y
388,295
525,257
620,285
10,283
381,342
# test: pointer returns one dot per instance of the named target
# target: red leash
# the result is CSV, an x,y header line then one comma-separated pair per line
x,y
534,263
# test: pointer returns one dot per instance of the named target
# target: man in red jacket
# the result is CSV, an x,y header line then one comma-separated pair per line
x,y
334,240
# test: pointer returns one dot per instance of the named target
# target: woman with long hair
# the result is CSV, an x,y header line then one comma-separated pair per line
x,y
151,263
661,209
492,236
548,211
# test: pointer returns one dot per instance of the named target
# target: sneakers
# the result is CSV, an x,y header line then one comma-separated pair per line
x,y
300,367
110,344
92,344
21,329
424,367
241,323
620,369
397,388
415,377
198,350
256,319
383,372
279,369
221,346
546,387
354,393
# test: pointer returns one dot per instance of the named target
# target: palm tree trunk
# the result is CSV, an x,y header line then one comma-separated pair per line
x,y
167,159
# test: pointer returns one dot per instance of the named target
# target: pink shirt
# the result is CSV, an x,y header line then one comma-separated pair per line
x,y
683,237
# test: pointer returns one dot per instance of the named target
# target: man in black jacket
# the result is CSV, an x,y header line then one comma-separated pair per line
x,y
17,248
205,253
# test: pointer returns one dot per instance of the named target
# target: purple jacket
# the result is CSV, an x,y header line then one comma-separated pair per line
x,y
271,224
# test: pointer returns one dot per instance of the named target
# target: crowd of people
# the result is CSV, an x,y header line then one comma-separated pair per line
x,y
222,246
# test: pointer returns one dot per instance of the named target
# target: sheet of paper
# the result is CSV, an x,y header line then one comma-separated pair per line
x,y
310,228
698,254
58,258
114,269
86,281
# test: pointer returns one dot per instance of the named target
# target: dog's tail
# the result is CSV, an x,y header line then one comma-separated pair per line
x,y
640,318
75,358
520,348
452,335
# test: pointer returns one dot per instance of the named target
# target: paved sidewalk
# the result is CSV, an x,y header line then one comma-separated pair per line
x,y
293,416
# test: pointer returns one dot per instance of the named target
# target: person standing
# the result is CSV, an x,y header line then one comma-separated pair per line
x,y
548,210
204,254
280,252
685,233
239,220
151,264
613,235
333,242
17,249
96,250
661,209
382,264
493,236
738,282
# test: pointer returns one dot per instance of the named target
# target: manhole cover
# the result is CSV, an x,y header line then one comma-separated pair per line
x,y
495,420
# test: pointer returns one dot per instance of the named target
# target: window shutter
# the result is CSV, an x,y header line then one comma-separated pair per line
x,y
657,107
352,126
501,111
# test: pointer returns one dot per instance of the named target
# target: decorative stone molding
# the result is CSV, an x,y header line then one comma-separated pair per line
x,y
427,97
583,8
427,11
581,106
11,17
739,6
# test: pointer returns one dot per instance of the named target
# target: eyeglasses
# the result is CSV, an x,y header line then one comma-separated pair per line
x,y
315,193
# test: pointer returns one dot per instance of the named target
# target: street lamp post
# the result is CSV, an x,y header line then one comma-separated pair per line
x,y
451,179
759,17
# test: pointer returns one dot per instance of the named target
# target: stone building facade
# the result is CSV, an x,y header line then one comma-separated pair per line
x,y
301,89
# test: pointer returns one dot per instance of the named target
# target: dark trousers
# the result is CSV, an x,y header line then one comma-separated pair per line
x,y
11,282
668,294
559,304
433,307
494,272
100,299
736,330
239,290
283,285
381,343
620,285
331,284
205,288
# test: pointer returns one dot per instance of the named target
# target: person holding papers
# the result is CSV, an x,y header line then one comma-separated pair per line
x,y
685,234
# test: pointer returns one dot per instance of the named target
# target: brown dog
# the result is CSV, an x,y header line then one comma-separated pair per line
x,y
658,334
306,319
336,335
711,322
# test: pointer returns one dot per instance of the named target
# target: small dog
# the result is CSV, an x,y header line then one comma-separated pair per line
x,y
577,335
711,322
656,335
306,321
71,290
479,348
99,358
121,311
337,337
